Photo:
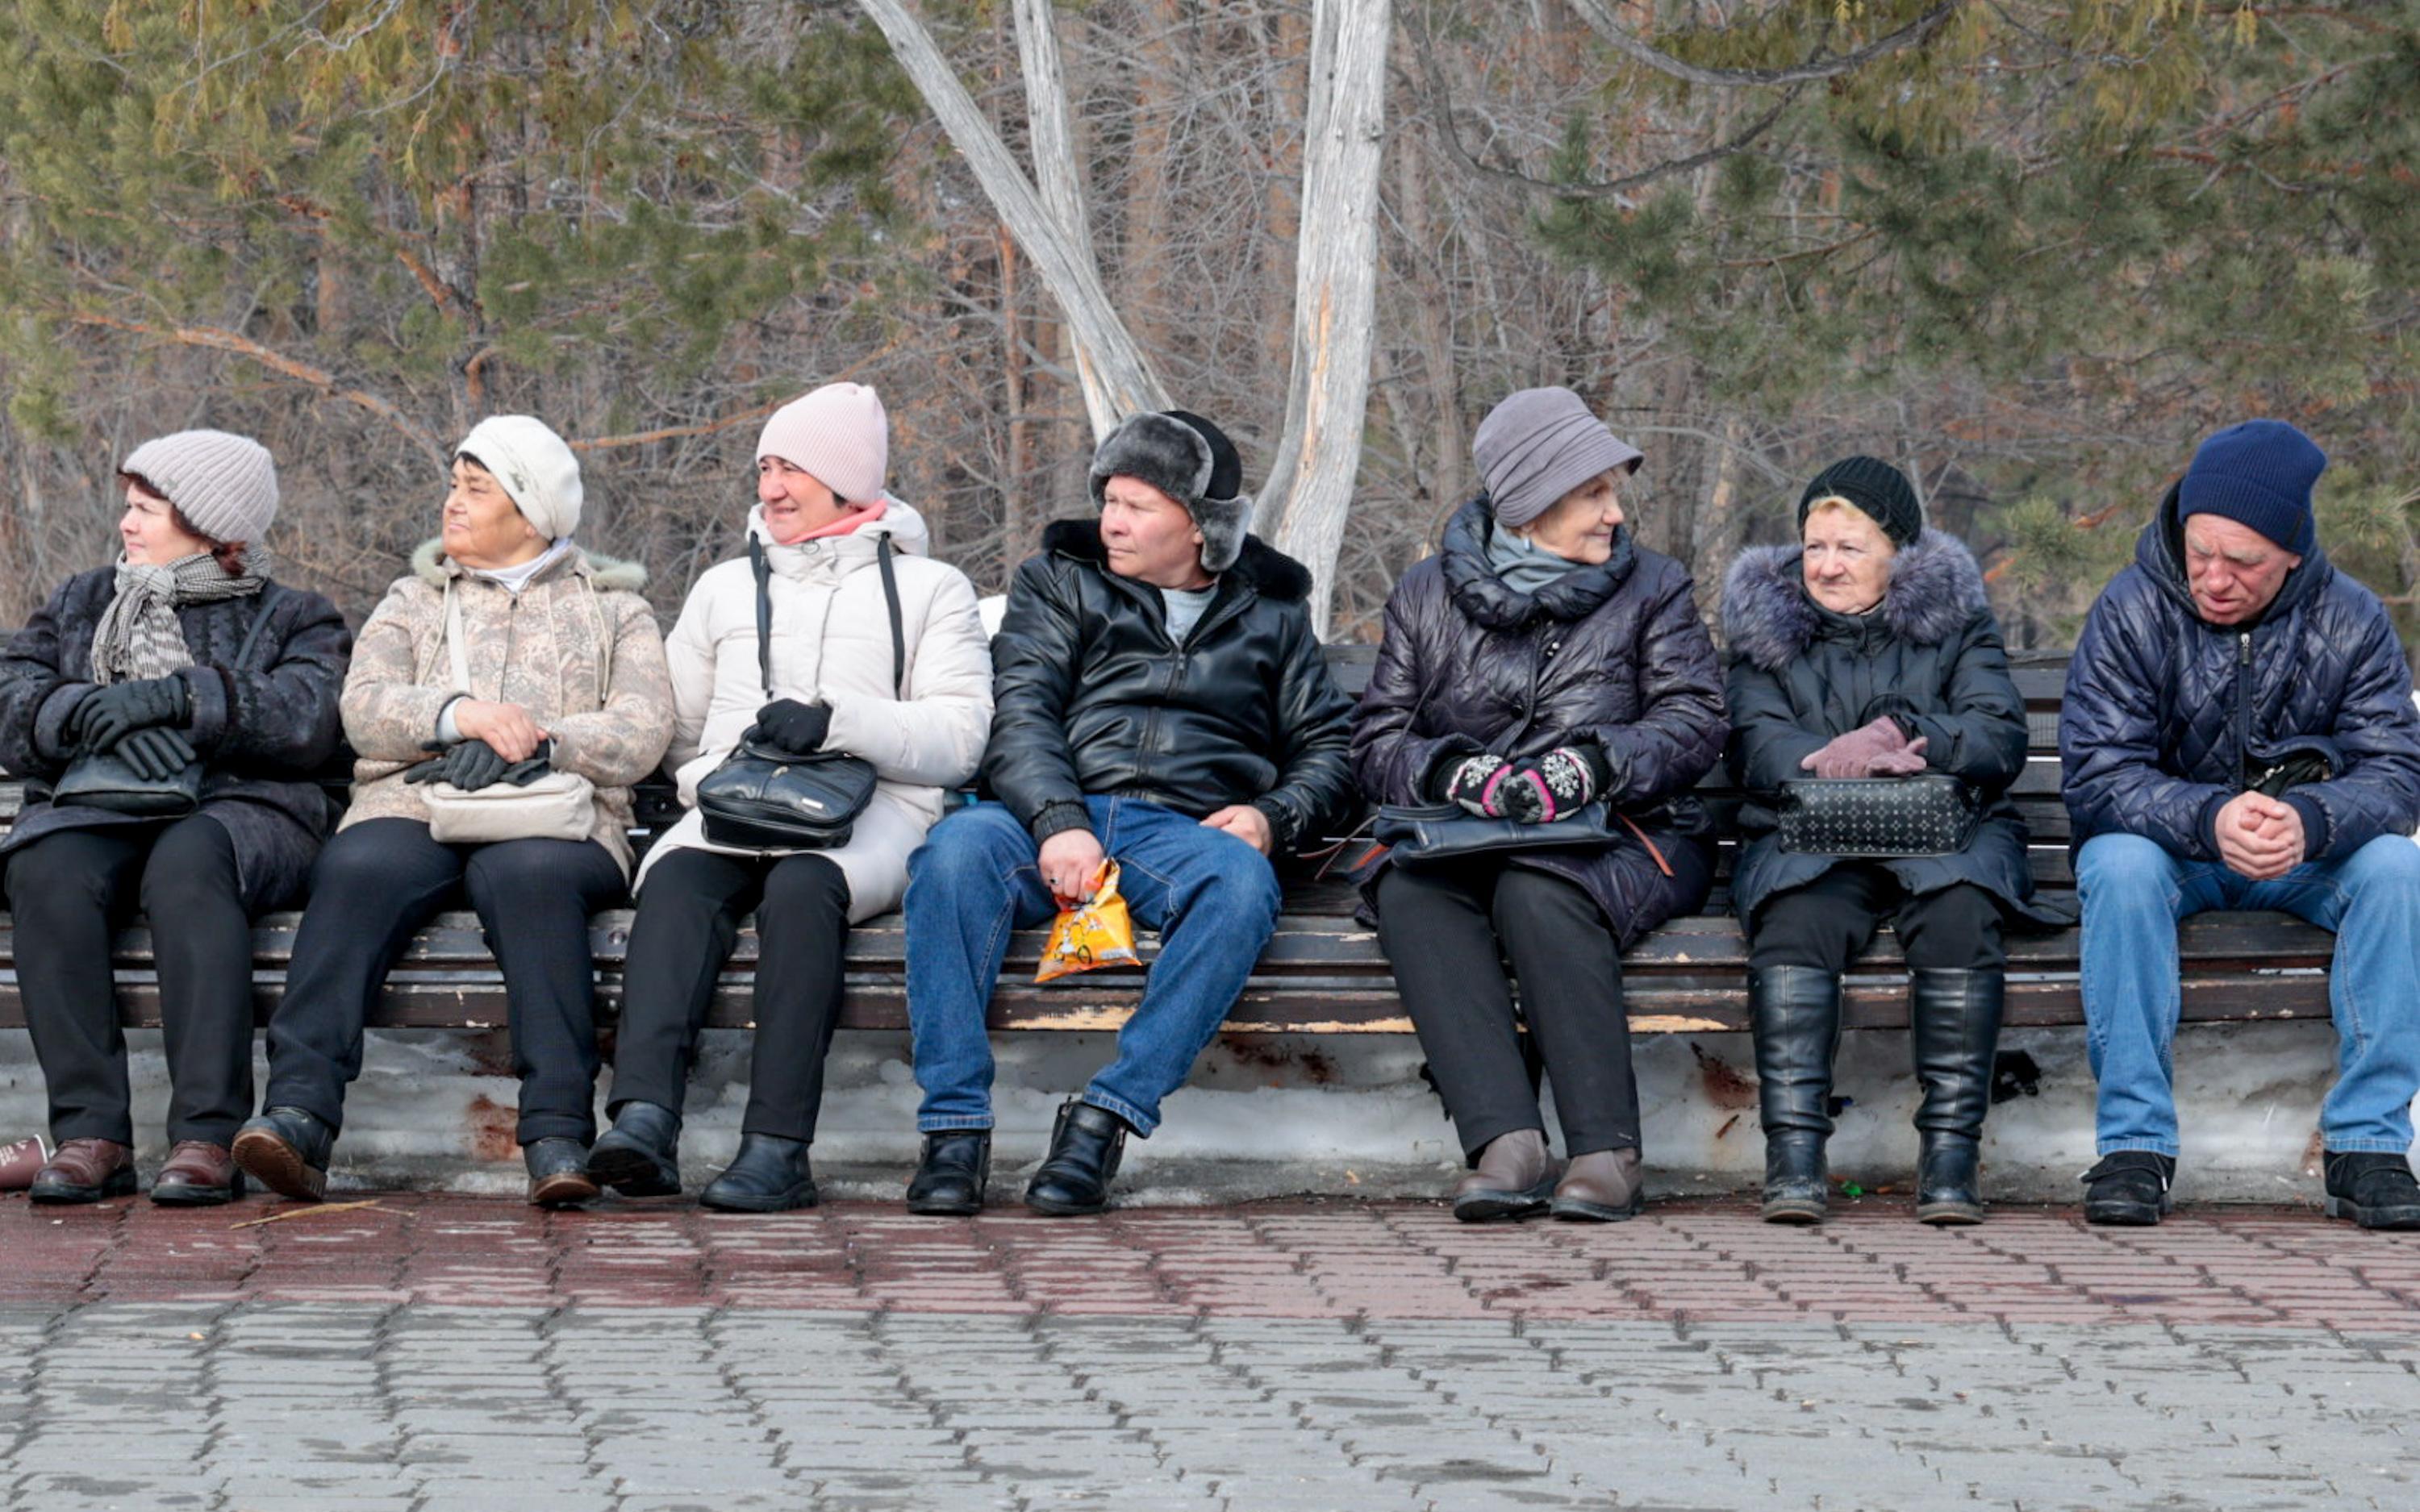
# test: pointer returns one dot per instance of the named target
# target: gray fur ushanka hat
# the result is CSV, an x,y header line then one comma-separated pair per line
x,y
1190,460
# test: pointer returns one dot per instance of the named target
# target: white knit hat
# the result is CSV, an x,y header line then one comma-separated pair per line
x,y
537,469
224,486
838,435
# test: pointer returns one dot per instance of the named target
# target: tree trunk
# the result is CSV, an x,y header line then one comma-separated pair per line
x,y
1106,353
1309,489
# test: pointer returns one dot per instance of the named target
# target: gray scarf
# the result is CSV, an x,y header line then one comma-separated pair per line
x,y
1523,568
138,637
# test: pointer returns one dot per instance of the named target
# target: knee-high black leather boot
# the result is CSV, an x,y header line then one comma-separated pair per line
x,y
1795,1013
1954,1031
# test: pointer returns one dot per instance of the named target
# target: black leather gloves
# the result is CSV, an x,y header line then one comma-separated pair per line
x,y
470,765
156,754
786,724
109,715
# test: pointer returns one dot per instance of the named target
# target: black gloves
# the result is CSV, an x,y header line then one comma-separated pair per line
x,y
473,765
786,724
155,754
109,715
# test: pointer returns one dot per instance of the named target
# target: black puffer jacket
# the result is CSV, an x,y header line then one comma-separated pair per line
x,y
261,728
1092,697
2164,711
1612,655
1801,674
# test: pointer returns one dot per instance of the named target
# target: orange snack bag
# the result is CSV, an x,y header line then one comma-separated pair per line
x,y
1090,935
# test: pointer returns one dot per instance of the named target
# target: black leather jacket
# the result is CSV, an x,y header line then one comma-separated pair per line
x,y
1092,697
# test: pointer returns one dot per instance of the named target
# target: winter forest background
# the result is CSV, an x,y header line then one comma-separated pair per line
x,y
2029,250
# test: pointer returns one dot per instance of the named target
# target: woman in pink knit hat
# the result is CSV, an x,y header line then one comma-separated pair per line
x,y
917,709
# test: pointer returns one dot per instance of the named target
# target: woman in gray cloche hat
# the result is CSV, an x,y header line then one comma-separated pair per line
x,y
185,667
1542,668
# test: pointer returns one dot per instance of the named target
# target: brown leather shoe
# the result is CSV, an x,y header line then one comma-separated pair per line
x,y
1512,1180
85,1170
198,1175
1602,1186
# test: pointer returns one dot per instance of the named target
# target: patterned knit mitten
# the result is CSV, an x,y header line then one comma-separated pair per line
x,y
1548,787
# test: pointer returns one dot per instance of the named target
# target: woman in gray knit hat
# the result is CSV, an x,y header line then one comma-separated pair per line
x,y
185,657
1542,666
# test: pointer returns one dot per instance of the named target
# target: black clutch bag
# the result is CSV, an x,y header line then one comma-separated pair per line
x,y
106,781
1424,833
1932,814
766,800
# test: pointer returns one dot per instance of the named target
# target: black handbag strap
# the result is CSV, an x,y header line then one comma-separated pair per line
x,y
762,566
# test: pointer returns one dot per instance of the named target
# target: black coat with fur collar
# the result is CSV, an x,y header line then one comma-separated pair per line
x,y
1613,656
1801,674
1093,696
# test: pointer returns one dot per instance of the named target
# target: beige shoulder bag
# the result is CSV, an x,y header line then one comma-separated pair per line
x,y
558,805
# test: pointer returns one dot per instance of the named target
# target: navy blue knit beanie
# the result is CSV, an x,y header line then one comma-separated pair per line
x,y
2258,474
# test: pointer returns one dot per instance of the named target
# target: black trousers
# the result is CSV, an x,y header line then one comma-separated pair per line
x,y
68,892
689,919
1442,928
376,882
1825,923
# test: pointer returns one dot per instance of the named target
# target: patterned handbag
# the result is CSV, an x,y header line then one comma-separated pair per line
x,y
1930,814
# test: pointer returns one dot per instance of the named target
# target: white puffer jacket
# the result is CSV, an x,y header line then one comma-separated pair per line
x,y
831,640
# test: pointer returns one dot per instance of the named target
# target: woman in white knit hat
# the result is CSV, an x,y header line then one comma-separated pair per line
x,y
506,658
918,709
184,667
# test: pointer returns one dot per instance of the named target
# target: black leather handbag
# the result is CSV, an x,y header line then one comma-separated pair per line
x,y
102,779
1877,817
1421,834
762,798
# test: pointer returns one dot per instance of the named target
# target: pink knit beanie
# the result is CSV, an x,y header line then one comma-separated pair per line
x,y
838,435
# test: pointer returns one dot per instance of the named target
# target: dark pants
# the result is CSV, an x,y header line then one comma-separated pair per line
x,y
689,919
1829,921
1441,929
68,892
379,881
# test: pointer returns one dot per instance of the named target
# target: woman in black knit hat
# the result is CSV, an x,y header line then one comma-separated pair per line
x,y
1870,650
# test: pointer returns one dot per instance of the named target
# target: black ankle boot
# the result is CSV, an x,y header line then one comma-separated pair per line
x,y
1954,1030
768,1175
952,1173
1085,1145
639,1156
558,1173
1795,1013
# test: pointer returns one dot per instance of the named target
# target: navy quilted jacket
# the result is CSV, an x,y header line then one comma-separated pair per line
x,y
2164,713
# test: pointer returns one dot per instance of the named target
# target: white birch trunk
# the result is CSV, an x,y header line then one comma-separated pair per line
x,y
1106,354
1309,488
1062,182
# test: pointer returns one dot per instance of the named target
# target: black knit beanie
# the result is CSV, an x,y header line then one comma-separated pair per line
x,y
1875,487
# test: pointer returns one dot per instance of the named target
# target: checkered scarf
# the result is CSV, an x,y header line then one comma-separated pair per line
x,y
138,636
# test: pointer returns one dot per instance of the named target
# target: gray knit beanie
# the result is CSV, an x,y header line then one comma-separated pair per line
x,y
224,486
1539,445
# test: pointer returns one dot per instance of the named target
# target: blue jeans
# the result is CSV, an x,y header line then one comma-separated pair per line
x,y
2134,893
1213,898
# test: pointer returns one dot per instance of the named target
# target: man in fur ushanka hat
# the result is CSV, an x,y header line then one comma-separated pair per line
x,y
1161,701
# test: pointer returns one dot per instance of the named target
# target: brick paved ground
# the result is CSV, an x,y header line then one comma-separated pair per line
x,y
434,1353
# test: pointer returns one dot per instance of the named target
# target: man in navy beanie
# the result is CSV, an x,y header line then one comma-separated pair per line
x,y
2239,732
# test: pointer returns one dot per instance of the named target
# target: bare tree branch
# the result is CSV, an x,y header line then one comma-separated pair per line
x,y
1599,15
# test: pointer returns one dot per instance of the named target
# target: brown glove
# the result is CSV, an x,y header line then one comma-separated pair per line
x,y
1854,754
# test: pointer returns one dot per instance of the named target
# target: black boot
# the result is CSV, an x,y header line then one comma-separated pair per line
x,y
1795,1013
768,1175
952,1173
286,1149
2129,1188
2374,1190
1085,1145
558,1172
639,1156
1954,1031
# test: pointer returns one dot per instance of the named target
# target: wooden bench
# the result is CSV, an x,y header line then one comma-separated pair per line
x,y
1324,973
